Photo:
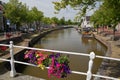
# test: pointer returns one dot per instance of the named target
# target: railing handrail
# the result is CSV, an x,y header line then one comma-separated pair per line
x,y
65,52
75,72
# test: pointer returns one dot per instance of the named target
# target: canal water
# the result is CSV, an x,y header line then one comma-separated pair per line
x,y
69,40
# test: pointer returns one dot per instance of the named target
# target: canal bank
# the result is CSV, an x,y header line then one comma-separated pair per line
x,y
109,67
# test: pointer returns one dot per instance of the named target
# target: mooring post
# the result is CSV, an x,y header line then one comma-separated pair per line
x,y
89,73
12,72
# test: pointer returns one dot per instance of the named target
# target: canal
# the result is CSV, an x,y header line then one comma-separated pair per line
x,y
69,40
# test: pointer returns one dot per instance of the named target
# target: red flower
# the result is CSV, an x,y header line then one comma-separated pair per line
x,y
8,35
3,48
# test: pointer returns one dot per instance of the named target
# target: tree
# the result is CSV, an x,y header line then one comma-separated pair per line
x,y
55,20
19,14
62,21
36,16
15,12
46,20
107,14
81,5
69,22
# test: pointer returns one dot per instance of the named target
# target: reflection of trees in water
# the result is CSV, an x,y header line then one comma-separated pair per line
x,y
49,37
85,41
89,42
55,34
65,33
93,45
69,31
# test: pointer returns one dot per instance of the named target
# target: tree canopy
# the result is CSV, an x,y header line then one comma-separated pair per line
x,y
81,5
15,11
20,14
107,13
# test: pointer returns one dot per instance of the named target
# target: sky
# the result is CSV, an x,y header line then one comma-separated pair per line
x,y
47,7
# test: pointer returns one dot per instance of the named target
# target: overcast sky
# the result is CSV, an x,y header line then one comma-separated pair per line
x,y
47,7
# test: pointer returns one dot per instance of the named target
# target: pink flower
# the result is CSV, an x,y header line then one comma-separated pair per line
x,y
26,56
39,53
58,65
39,61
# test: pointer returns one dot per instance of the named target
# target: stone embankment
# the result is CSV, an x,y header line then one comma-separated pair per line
x,y
109,67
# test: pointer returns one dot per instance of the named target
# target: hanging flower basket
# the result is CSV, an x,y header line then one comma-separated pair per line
x,y
57,63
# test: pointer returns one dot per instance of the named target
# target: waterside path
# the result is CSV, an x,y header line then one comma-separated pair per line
x,y
109,67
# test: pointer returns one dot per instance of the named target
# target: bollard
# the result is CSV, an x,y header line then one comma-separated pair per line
x,y
12,72
89,73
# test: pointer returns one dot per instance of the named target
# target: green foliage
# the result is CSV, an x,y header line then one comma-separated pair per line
x,y
62,21
19,13
107,14
63,59
46,20
81,5
11,11
37,15
69,22
55,20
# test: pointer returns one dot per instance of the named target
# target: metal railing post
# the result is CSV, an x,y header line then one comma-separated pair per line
x,y
12,72
89,73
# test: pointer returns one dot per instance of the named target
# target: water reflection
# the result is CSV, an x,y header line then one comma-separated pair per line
x,y
69,40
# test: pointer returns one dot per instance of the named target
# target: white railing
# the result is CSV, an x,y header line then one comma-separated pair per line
x,y
88,74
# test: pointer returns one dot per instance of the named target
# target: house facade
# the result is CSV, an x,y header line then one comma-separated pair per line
x,y
86,22
118,27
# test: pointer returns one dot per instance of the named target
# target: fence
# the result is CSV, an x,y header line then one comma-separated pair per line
x,y
90,63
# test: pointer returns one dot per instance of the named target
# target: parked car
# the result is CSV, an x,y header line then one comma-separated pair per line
x,y
31,30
